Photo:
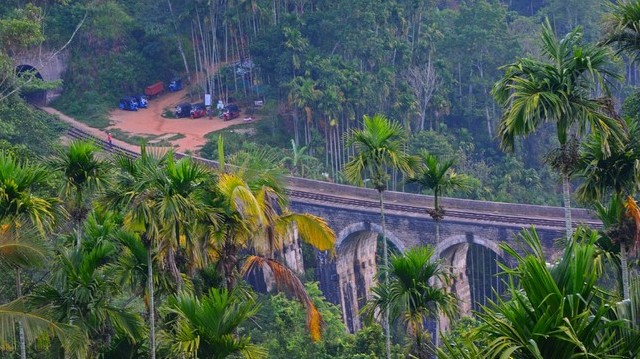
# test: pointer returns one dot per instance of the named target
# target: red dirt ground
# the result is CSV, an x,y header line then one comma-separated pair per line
x,y
149,122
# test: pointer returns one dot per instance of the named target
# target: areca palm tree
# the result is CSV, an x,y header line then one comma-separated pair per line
x,y
622,26
613,178
84,173
379,149
555,311
557,90
207,327
413,294
82,291
35,321
179,187
21,207
134,193
439,177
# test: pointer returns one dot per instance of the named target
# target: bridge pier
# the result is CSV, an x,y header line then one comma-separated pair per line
x,y
356,269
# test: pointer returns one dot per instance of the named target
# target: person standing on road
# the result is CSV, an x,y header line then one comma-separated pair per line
x,y
109,139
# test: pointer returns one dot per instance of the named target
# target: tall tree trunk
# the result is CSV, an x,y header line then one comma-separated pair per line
x,y
385,256
178,41
173,267
152,308
566,196
625,272
23,344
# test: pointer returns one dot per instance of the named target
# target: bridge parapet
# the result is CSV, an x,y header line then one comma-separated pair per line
x,y
510,211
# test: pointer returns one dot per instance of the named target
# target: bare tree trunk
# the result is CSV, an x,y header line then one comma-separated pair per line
x,y
152,308
625,272
385,256
23,343
566,196
178,41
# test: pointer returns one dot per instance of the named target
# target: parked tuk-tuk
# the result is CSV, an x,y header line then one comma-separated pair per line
x,y
183,110
128,104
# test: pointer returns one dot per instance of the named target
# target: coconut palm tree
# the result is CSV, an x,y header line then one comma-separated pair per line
x,y
557,90
379,149
252,216
439,177
207,327
413,294
85,173
21,207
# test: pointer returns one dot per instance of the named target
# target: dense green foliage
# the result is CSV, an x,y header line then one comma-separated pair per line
x,y
428,65
150,257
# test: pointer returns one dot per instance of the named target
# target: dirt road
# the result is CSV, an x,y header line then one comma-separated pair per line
x,y
149,122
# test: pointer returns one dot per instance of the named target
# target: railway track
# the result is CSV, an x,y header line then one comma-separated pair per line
x,y
306,195
299,195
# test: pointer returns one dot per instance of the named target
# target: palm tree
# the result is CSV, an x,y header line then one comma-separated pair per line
x,y
179,189
134,193
207,327
379,149
439,177
252,216
35,321
82,291
84,174
622,27
557,90
413,294
22,207
615,176
297,160
556,311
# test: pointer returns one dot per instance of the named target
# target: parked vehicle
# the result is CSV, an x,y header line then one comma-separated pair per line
x,y
183,110
230,112
175,85
155,89
141,100
128,104
198,110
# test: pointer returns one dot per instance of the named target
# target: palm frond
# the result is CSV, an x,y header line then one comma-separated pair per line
x,y
36,322
287,280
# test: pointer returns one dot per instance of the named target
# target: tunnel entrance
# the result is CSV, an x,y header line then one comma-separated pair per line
x,y
28,93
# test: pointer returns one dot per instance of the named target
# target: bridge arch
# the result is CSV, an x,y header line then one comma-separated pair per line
x,y
474,261
356,268
368,227
455,240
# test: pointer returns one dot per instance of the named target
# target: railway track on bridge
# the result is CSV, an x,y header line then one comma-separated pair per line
x,y
306,195
450,213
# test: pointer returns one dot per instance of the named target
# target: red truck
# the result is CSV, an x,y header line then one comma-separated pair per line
x,y
155,89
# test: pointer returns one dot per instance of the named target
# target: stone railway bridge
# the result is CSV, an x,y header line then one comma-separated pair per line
x,y
470,235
